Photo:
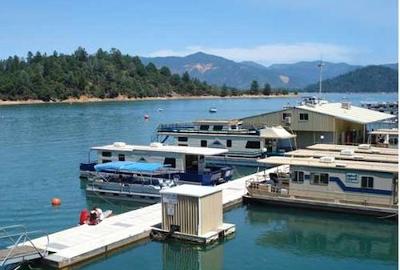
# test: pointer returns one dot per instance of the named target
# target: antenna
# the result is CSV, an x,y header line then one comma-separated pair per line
x,y
320,66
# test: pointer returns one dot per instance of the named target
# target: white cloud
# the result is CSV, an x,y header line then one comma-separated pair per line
x,y
272,53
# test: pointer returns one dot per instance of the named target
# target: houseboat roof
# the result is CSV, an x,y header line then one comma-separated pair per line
x,y
346,154
276,132
338,164
357,149
386,131
191,190
158,147
348,113
217,122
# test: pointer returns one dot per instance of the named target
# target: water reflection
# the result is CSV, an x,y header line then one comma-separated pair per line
x,y
312,233
177,256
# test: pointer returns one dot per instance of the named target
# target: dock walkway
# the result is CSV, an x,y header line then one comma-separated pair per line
x,y
81,243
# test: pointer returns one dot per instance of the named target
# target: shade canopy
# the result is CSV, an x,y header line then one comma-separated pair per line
x,y
128,166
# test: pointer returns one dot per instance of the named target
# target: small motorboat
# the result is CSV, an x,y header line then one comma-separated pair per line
x,y
212,109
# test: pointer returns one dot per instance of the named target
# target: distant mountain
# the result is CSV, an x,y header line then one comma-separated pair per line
x,y
218,70
367,79
393,66
305,73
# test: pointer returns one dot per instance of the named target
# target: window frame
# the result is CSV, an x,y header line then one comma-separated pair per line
x,y
121,157
298,177
229,143
248,143
313,176
183,139
203,143
171,162
301,115
106,153
369,182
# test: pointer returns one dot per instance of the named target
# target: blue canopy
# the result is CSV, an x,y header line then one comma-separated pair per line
x,y
128,166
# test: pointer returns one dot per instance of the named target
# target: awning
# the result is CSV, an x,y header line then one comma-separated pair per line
x,y
128,166
275,133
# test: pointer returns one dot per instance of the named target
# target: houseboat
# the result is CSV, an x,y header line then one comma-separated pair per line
x,y
388,138
127,180
244,144
183,164
330,184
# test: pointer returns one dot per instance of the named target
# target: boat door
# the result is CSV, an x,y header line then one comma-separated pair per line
x,y
191,163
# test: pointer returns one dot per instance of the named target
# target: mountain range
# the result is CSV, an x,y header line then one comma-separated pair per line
x,y
218,71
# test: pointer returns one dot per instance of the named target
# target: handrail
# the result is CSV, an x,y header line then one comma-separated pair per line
x,y
22,239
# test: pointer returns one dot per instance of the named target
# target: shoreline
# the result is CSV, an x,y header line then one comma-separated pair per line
x,y
85,99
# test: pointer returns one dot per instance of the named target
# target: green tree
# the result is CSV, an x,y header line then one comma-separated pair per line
x,y
254,88
267,89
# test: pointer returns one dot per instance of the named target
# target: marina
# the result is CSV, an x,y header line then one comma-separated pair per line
x,y
65,216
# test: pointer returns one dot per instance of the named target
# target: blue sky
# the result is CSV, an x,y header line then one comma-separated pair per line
x,y
265,31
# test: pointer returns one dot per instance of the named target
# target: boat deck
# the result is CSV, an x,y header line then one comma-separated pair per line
x,y
80,243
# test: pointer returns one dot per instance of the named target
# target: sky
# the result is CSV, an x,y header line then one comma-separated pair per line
x,y
265,31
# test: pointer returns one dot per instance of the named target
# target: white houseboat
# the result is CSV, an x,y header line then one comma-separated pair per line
x,y
183,164
385,137
331,184
245,145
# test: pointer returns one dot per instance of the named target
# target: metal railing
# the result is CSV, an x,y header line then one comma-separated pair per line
x,y
16,236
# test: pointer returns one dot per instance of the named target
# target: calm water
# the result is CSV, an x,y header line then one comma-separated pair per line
x,y
41,147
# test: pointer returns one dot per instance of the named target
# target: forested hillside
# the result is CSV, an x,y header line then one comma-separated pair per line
x,y
367,79
103,75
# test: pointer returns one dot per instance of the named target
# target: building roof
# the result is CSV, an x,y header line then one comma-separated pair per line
x,y
191,190
275,132
158,147
351,113
344,156
356,149
338,164
217,122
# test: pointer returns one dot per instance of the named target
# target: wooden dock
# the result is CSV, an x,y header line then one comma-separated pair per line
x,y
80,243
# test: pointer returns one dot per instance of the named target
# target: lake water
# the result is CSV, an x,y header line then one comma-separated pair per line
x,y
41,147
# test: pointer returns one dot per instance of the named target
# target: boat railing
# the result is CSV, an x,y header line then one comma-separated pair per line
x,y
174,127
16,236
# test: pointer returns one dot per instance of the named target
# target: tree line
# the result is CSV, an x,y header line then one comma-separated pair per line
x,y
105,74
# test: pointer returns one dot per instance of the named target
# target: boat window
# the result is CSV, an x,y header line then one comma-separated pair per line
x,y
170,161
367,182
234,127
217,128
203,143
298,177
319,179
106,154
228,143
105,161
324,178
204,127
121,157
304,116
393,141
253,144
286,115
155,182
182,139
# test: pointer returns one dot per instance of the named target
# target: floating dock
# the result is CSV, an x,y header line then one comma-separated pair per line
x,y
81,243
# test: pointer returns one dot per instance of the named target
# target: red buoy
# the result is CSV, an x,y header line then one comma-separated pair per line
x,y
55,202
